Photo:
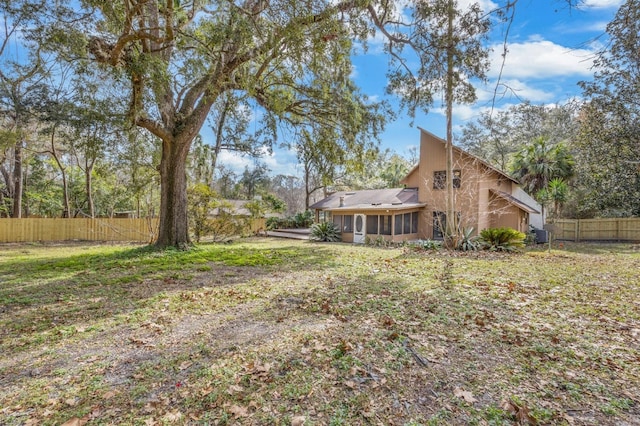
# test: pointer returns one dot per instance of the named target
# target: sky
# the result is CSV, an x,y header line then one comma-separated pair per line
x,y
550,49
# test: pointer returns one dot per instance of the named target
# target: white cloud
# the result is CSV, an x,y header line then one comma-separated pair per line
x,y
485,5
513,88
354,72
603,4
595,26
540,59
234,161
280,161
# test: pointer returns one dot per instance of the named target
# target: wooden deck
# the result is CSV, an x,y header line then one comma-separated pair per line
x,y
296,234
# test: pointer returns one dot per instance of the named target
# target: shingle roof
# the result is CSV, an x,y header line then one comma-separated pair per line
x,y
370,199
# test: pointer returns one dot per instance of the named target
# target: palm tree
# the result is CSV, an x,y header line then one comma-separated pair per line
x,y
556,193
539,163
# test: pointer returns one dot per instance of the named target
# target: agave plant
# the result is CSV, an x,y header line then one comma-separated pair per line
x,y
468,242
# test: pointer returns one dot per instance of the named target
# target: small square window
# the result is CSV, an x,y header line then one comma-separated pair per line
x,y
440,179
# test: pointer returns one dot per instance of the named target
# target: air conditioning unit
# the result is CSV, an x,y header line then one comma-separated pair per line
x,y
542,236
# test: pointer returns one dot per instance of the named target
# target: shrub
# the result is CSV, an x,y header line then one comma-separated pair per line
x,y
303,220
502,239
378,241
325,231
299,220
424,245
202,200
225,227
272,223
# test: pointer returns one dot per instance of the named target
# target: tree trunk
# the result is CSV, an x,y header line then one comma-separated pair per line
x,y
88,183
307,197
174,227
17,180
66,213
451,225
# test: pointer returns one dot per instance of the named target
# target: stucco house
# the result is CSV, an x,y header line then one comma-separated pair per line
x,y
485,197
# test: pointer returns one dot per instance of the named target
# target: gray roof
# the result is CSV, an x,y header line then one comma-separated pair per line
x,y
237,208
371,199
514,201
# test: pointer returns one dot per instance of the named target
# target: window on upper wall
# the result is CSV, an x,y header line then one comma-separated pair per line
x,y
440,179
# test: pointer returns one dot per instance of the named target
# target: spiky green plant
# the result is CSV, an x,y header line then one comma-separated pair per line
x,y
468,241
502,239
325,231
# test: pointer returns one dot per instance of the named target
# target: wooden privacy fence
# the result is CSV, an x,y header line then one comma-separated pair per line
x,y
84,229
614,229
57,229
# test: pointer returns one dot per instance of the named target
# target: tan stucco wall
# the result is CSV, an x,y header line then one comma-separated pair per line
x,y
472,199
504,215
413,178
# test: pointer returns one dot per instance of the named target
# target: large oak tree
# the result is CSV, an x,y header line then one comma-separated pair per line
x,y
181,57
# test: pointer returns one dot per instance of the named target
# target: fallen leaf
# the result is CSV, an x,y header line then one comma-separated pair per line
x,y
298,421
185,365
387,321
520,412
239,411
234,389
172,417
465,395
76,421
109,395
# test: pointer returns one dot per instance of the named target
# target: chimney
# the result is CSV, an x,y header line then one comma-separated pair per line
x,y
341,201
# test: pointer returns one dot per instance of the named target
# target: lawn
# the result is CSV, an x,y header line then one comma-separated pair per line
x,y
281,332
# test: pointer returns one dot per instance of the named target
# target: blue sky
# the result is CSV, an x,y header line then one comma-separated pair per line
x,y
550,49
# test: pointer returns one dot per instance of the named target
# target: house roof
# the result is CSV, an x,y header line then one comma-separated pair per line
x,y
371,199
463,152
237,208
513,201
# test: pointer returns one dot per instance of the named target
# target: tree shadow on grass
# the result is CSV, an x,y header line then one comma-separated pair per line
x,y
41,297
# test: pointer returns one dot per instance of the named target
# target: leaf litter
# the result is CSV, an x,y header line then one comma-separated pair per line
x,y
388,337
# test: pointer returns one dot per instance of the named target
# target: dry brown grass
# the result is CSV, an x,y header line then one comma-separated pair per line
x,y
289,332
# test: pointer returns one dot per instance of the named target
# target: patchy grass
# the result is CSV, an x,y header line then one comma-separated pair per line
x,y
289,332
